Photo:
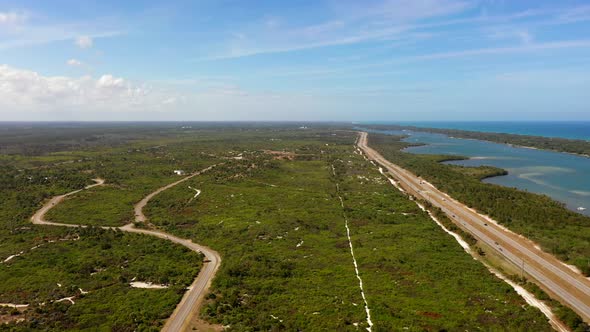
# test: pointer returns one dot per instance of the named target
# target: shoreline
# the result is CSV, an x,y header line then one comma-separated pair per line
x,y
483,180
459,158
432,130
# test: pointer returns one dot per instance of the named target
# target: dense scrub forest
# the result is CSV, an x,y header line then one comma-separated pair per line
x,y
271,207
277,220
79,279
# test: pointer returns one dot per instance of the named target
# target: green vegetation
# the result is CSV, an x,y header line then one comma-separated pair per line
x,y
401,257
557,230
101,263
280,228
22,191
271,208
563,313
131,174
255,212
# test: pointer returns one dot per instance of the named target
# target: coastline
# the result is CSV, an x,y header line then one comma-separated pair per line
x,y
512,145
576,130
458,158
551,150
452,133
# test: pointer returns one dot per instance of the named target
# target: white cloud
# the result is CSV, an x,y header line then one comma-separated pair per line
x,y
503,50
170,101
403,10
465,53
39,35
354,22
74,63
12,18
520,34
26,95
576,14
30,91
350,23
84,42
272,22
525,37
23,28
110,82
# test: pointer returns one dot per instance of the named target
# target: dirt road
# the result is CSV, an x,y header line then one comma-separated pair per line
x,y
191,301
39,217
139,216
193,298
569,287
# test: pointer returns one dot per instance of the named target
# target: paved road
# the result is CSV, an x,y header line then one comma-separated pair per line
x,y
193,298
568,286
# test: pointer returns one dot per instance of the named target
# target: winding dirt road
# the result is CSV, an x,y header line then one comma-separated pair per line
x,y
569,287
39,217
193,298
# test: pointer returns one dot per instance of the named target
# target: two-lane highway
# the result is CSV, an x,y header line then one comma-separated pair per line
x,y
566,285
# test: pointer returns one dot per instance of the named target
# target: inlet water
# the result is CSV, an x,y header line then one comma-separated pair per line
x,y
564,177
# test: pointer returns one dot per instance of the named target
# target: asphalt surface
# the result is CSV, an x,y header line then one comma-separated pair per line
x,y
193,298
566,285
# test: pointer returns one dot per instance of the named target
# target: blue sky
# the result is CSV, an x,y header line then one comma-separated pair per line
x,y
388,60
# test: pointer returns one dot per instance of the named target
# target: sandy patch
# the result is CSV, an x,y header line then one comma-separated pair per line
x,y
70,299
9,258
281,155
147,285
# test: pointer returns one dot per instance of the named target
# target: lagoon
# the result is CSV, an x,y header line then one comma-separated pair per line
x,y
564,177
562,129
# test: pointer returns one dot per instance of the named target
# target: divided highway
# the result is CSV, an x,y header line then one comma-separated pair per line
x,y
568,286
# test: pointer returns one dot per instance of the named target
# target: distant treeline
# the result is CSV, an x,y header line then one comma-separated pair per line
x,y
547,143
42,138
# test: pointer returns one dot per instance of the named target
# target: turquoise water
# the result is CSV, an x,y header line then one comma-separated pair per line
x,y
562,176
563,129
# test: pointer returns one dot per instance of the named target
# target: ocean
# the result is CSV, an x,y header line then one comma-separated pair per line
x,y
563,129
